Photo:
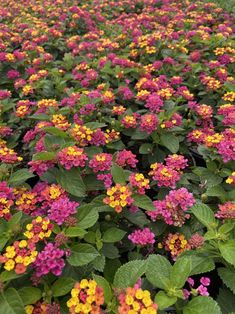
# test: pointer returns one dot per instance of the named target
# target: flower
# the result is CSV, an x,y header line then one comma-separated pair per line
x,y
72,156
101,162
226,211
86,297
137,180
50,259
118,197
148,123
18,256
142,237
172,209
40,228
61,209
135,300
175,244
126,158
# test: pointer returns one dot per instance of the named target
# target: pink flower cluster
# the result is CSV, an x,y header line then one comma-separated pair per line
x,y
154,103
148,123
169,174
6,200
126,158
40,166
226,147
72,156
101,162
226,211
228,111
50,259
61,209
142,237
172,208
201,289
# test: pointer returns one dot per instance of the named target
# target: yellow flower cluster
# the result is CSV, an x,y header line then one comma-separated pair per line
x,y
86,297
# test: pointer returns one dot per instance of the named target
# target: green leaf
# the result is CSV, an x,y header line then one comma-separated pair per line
x,y
180,272
71,181
99,263
228,277
226,227
95,125
226,301
102,282
44,156
40,116
87,216
163,300
30,295
217,191
210,178
143,201
54,131
113,235
75,232
9,275
158,271
20,176
201,304
170,141
128,274
145,148
82,254
118,174
199,263
204,214
62,286
11,303
227,250
15,219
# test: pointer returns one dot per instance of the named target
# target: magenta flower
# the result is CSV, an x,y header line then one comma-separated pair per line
x,y
51,259
61,209
142,237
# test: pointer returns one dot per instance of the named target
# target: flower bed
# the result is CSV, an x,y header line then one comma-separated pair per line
x,y
117,150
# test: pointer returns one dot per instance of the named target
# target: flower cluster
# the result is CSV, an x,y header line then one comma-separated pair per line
x,y
6,200
136,300
18,256
226,211
49,260
169,174
118,197
126,158
101,162
172,209
86,297
142,237
175,244
138,181
72,156
39,229
7,155
202,289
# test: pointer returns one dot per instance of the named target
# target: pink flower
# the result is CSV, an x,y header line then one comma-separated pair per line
x,y
51,259
176,161
61,209
205,281
202,290
126,158
72,156
172,208
101,162
142,237
148,123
